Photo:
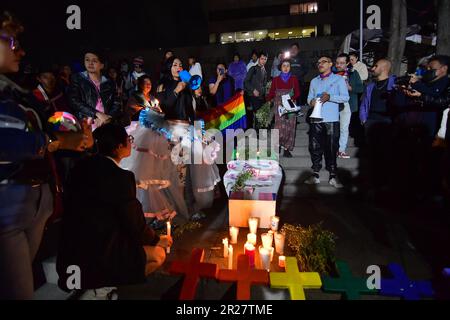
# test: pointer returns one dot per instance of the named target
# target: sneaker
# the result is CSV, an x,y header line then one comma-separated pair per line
x,y
287,154
343,155
335,183
314,179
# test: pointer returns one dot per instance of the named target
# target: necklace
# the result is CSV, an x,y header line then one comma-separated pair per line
x,y
385,82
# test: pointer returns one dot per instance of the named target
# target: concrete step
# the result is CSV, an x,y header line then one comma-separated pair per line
x,y
304,162
50,292
294,176
302,140
49,266
292,191
304,152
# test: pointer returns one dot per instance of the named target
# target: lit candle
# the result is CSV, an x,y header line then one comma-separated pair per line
x,y
225,247
279,242
234,231
264,257
267,240
237,155
169,233
251,238
249,250
230,257
271,251
274,221
282,261
253,224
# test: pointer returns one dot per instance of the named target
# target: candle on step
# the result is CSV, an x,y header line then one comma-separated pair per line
x,y
225,247
249,250
267,240
234,232
169,233
274,221
282,261
230,257
253,224
264,257
271,251
251,238
279,242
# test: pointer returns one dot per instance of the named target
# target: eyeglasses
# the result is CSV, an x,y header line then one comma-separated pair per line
x,y
322,62
131,138
13,42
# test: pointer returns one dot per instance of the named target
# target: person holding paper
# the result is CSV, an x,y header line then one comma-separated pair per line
x,y
285,84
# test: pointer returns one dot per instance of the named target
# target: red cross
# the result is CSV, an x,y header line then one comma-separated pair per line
x,y
244,276
193,270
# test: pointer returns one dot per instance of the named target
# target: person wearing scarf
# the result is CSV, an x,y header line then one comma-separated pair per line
x,y
282,85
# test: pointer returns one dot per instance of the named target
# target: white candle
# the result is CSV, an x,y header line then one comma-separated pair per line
x,y
279,242
169,233
271,251
274,221
264,257
237,155
282,261
230,257
225,247
234,231
251,238
267,240
253,224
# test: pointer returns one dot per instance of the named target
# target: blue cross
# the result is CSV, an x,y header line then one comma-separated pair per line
x,y
401,286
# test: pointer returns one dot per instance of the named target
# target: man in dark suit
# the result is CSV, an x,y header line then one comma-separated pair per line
x,y
104,231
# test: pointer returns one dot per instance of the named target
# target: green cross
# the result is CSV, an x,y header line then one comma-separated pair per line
x,y
351,287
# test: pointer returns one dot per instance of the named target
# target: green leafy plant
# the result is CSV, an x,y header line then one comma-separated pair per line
x,y
177,232
264,115
242,178
313,247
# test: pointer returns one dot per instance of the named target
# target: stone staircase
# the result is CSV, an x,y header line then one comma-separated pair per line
x,y
298,168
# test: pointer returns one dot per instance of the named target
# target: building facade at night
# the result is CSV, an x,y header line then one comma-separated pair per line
x,y
245,20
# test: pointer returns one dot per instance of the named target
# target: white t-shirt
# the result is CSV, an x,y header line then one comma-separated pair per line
x,y
196,69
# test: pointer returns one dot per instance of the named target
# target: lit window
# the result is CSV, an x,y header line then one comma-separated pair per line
x,y
303,8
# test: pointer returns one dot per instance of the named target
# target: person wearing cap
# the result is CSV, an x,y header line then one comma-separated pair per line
x,y
138,71
91,95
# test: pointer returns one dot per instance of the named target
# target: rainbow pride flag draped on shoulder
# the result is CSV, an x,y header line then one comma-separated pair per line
x,y
230,115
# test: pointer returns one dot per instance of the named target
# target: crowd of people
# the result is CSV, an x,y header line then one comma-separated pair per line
x,y
109,214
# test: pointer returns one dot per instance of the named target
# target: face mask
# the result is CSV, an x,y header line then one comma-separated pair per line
x,y
429,76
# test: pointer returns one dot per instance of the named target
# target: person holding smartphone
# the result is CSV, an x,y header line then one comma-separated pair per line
x,y
221,86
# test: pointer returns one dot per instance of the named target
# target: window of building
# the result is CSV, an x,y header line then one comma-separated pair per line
x,y
303,8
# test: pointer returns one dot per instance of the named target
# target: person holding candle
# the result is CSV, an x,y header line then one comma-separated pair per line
x,y
103,229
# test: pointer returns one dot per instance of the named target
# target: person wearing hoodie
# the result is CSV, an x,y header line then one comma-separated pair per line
x,y
237,70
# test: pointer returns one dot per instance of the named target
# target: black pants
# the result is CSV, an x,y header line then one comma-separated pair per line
x,y
254,103
324,141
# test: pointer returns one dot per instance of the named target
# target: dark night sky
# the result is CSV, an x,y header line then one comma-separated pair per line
x,y
127,24
133,24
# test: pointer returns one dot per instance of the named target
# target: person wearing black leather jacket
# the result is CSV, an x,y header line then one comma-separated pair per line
x,y
92,95
174,96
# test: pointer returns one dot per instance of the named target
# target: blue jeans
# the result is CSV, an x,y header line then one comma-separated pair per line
x,y
344,119
24,210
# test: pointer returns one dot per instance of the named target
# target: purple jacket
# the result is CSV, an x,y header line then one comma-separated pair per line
x,y
367,98
238,71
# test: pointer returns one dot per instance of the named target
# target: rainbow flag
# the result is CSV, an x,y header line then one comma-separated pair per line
x,y
230,115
